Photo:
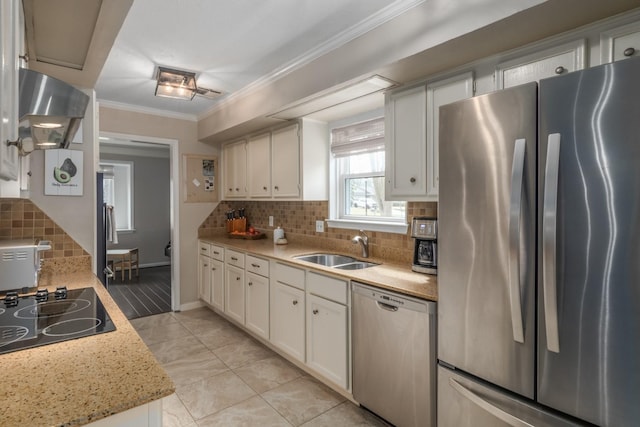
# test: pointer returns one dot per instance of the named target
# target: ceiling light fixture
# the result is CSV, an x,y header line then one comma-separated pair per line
x,y
177,84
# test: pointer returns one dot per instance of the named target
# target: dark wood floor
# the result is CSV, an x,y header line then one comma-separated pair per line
x,y
148,294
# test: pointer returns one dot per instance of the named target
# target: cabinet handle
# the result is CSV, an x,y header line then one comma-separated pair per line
x,y
250,283
295,302
234,258
264,188
629,51
315,311
560,70
412,180
255,265
276,188
213,269
237,189
203,249
230,189
238,278
216,253
206,265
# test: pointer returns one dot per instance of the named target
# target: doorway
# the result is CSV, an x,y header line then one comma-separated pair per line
x,y
154,230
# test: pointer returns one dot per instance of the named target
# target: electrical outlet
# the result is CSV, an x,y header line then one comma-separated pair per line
x,y
270,220
320,226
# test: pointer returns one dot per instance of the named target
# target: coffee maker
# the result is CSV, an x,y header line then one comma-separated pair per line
x,y
425,255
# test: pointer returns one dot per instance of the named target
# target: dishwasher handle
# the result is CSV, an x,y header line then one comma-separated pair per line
x,y
387,307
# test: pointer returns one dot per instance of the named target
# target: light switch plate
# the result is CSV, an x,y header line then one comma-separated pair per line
x,y
270,220
320,226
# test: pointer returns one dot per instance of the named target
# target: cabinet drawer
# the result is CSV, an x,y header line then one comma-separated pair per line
x,y
204,248
258,265
288,275
216,252
234,258
328,287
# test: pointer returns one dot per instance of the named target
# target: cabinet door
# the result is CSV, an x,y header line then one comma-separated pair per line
x,y
405,134
327,335
234,293
287,319
285,169
9,38
441,93
258,304
204,278
259,166
235,169
620,43
539,65
217,284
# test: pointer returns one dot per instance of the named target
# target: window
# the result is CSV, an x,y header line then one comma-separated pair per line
x,y
118,191
358,196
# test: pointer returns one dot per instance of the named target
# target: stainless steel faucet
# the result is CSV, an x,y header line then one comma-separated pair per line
x,y
363,239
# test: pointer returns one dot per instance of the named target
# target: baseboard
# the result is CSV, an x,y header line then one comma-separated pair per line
x,y
155,264
191,305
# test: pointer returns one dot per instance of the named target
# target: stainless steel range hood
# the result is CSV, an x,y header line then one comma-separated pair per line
x,y
50,112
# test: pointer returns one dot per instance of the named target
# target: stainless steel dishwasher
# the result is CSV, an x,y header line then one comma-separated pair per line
x,y
394,355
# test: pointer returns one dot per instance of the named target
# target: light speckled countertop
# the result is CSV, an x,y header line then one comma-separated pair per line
x,y
75,382
387,275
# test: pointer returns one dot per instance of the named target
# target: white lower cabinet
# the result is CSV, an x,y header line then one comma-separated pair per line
x,y
287,319
217,284
204,278
327,339
234,293
257,313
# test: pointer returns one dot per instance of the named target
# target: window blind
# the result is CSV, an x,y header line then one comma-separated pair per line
x,y
359,138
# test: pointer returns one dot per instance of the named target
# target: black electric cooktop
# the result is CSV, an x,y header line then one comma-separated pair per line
x,y
46,317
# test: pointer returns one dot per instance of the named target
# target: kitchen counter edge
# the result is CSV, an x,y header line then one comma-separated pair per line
x,y
391,276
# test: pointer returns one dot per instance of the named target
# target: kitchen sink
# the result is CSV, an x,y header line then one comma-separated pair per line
x,y
342,262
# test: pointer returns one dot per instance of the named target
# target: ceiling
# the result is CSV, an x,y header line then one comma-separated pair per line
x,y
271,54
230,45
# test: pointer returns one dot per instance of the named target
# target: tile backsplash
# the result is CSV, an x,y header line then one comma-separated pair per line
x,y
22,219
298,219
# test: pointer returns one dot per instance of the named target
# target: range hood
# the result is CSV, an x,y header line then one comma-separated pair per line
x,y
50,112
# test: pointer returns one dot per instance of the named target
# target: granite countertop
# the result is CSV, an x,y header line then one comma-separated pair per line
x,y
76,382
387,275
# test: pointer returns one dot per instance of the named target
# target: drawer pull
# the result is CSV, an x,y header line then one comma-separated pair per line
x,y
255,265
250,283
315,311
234,258
295,302
238,278
216,253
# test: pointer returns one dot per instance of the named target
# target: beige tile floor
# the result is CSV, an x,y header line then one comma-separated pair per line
x,y
224,377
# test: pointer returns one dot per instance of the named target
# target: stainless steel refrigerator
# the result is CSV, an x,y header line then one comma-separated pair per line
x,y
539,235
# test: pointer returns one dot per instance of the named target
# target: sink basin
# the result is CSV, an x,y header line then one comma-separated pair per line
x,y
342,262
357,265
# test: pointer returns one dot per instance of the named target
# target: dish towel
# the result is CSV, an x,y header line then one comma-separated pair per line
x,y
112,234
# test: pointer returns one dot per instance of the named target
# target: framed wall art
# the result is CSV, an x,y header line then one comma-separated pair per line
x,y
63,172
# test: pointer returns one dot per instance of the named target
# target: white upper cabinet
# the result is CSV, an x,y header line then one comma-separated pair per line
x,y
10,34
620,43
291,163
285,163
439,93
406,144
411,133
538,65
234,157
259,165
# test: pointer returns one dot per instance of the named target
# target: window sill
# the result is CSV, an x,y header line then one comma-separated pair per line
x,y
386,227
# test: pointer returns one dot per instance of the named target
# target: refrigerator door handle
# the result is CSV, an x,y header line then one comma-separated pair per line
x,y
515,207
549,236
488,407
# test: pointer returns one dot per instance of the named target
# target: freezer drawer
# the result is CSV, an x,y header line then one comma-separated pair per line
x,y
465,402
